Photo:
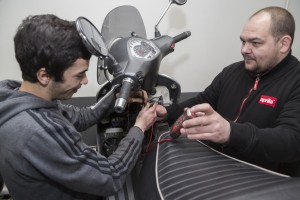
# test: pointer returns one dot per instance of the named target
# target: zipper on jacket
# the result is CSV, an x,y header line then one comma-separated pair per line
x,y
245,99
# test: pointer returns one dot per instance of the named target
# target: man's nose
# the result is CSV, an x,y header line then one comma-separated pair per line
x,y
246,48
84,81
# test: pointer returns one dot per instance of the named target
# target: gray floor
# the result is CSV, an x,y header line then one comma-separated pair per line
x,y
4,194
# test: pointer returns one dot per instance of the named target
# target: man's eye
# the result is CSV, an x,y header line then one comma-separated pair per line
x,y
80,75
255,44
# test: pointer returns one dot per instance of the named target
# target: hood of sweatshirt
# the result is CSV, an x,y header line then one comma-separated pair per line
x,y
12,101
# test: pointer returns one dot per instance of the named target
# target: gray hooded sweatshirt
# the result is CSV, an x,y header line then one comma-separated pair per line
x,y
42,155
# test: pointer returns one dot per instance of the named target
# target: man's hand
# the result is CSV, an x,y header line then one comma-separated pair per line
x,y
146,117
161,112
207,125
140,96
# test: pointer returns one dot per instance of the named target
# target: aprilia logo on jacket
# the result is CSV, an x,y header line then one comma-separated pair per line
x,y
267,100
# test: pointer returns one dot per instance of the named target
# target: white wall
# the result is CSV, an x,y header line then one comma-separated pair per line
x,y
215,26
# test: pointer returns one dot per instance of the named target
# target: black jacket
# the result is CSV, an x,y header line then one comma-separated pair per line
x,y
267,129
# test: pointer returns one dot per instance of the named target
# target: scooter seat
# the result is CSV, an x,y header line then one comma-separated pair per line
x,y
187,169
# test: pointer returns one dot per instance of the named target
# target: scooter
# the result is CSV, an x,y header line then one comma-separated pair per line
x,y
128,62
182,168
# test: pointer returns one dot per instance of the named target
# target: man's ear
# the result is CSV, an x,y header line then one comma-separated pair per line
x,y
285,43
43,76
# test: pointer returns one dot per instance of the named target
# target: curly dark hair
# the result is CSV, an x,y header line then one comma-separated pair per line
x,y
46,41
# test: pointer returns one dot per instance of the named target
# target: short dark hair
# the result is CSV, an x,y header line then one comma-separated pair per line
x,y
282,22
46,41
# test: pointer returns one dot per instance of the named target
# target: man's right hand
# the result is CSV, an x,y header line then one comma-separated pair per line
x,y
207,125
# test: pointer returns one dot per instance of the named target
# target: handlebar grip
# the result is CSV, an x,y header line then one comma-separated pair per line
x,y
181,36
121,101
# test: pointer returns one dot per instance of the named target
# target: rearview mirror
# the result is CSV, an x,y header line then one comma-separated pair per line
x,y
91,37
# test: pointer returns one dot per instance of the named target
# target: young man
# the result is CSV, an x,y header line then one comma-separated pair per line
x,y
251,110
42,155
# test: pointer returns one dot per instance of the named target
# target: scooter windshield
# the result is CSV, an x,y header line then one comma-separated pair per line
x,y
121,22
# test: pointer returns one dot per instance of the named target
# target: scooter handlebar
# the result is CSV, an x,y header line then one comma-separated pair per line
x,y
121,101
166,43
181,36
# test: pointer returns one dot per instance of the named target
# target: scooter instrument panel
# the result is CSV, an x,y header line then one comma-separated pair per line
x,y
141,48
